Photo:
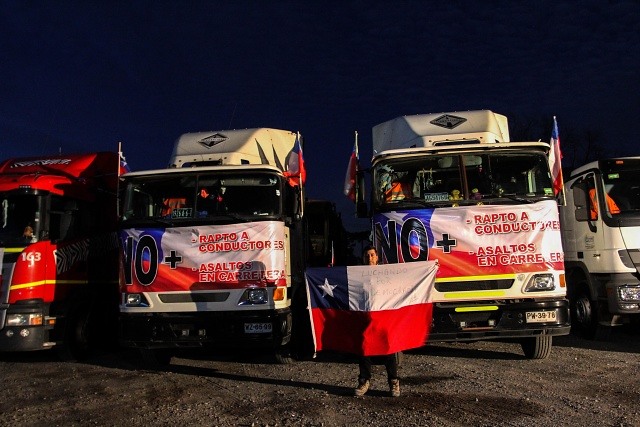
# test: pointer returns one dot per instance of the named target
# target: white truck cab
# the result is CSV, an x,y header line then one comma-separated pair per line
x,y
601,239
453,187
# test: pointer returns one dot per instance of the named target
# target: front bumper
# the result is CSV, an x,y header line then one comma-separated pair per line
x,y
24,337
616,287
497,320
200,329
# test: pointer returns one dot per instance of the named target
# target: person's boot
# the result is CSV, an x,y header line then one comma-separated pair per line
x,y
394,388
363,387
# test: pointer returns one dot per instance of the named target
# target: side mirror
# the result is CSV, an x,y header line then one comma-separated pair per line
x,y
362,210
581,201
581,214
292,204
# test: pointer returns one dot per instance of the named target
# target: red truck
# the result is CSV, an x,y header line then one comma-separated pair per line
x,y
59,253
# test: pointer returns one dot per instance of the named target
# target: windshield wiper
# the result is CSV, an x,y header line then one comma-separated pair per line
x,y
163,221
508,196
231,215
417,203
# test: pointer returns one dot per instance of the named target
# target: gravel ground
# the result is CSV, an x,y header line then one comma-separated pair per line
x,y
582,383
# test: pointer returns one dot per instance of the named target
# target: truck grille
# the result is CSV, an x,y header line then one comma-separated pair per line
x,y
204,297
476,285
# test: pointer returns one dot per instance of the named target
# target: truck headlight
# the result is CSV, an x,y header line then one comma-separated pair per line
x,y
254,296
24,319
629,293
540,283
257,296
135,300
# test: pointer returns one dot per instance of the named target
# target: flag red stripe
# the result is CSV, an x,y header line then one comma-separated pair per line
x,y
372,333
555,159
350,178
352,173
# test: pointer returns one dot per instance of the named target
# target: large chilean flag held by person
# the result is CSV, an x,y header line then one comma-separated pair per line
x,y
371,310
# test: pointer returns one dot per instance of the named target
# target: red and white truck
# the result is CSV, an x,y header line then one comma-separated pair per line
x,y
213,246
59,252
452,187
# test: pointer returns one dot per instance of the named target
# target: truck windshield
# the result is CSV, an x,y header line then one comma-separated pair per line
x,y
19,220
461,179
621,179
202,196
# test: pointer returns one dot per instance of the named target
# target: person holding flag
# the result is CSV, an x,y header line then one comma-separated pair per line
x,y
371,311
370,257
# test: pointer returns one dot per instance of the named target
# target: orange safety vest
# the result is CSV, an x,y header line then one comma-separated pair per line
x,y
611,204
398,191
171,204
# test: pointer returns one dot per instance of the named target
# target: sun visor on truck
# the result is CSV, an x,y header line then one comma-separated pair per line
x,y
233,147
426,130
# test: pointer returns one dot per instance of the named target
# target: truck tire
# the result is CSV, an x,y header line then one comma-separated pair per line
x,y
584,314
88,328
157,359
76,344
537,347
283,355
301,344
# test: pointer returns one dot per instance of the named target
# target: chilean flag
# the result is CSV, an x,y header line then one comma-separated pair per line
x,y
555,159
124,166
351,175
296,171
371,310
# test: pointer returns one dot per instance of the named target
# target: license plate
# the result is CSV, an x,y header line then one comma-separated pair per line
x,y
258,328
541,316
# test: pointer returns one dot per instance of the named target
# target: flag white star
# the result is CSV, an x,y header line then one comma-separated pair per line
x,y
327,288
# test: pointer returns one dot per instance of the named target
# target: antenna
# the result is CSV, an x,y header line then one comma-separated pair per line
x,y
233,114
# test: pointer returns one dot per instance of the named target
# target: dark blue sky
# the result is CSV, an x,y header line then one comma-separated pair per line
x,y
78,76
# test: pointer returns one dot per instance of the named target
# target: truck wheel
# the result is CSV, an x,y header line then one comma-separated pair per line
x,y
156,358
283,355
76,344
584,315
537,347
633,328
